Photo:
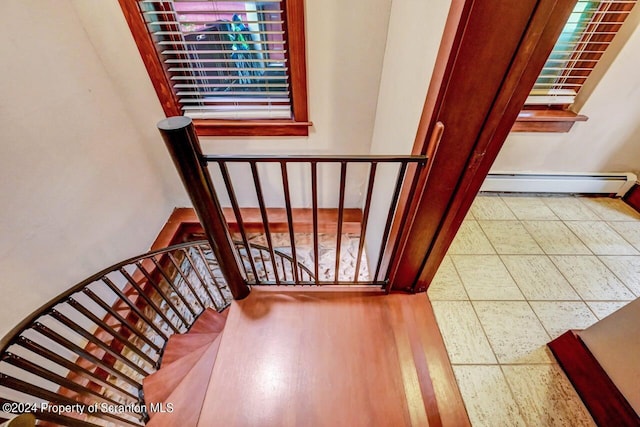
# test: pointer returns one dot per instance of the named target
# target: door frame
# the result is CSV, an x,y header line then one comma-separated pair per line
x,y
491,54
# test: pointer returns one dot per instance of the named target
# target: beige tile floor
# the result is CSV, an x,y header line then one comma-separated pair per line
x,y
522,271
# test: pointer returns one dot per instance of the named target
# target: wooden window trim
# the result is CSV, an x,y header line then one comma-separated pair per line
x,y
546,120
296,55
561,119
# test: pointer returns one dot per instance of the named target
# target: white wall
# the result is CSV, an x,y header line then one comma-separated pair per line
x,y
610,140
345,47
79,189
415,31
85,179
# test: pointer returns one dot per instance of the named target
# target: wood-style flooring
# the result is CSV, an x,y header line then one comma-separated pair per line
x,y
297,358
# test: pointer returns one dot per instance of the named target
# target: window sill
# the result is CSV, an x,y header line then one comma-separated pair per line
x,y
251,128
546,121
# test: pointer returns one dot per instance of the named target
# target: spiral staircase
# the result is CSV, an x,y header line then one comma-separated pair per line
x,y
180,385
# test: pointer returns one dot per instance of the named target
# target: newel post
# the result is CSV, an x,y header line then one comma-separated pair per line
x,y
183,145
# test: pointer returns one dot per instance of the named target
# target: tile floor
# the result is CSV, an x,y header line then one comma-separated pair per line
x,y
522,271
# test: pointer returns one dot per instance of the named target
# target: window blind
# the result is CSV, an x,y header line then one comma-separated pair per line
x,y
589,31
224,59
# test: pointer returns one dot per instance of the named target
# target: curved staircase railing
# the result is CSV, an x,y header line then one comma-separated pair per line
x,y
264,271
80,359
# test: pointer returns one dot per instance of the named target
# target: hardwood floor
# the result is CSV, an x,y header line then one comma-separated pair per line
x,y
331,359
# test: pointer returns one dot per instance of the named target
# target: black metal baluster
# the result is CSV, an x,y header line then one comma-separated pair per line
x,y
73,367
238,215
95,341
390,215
36,369
164,296
172,285
265,219
365,218
186,280
121,319
52,417
213,276
203,283
264,265
103,325
148,300
314,204
50,396
58,339
133,307
343,176
287,203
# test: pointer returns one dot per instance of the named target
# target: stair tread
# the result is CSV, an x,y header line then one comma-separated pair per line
x,y
160,384
184,344
208,322
188,396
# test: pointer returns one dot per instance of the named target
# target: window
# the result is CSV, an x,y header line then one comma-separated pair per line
x,y
235,67
584,39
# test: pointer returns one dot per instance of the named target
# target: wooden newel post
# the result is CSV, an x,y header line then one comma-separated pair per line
x,y
183,145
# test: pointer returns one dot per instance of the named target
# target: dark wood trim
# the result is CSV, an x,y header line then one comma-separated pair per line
x,y
546,120
183,224
296,55
632,198
509,41
182,143
152,62
294,18
607,405
253,128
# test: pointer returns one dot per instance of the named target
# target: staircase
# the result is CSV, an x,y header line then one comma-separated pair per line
x,y
174,395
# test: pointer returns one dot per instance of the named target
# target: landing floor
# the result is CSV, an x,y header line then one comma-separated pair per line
x,y
290,358
522,271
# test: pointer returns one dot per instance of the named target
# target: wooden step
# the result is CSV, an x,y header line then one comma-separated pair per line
x,y
160,384
292,357
188,396
184,344
209,321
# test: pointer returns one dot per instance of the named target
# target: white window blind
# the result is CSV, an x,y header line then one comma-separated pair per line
x,y
585,37
224,59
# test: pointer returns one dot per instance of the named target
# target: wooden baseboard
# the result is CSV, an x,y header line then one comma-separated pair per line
x,y
632,198
607,405
183,223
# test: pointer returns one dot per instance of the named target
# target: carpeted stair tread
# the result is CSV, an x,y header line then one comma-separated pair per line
x,y
184,344
209,321
188,396
160,384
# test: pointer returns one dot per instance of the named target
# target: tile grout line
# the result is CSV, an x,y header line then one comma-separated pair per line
x,y
482,326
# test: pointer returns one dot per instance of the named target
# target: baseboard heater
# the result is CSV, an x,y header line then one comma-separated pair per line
x,y
606,183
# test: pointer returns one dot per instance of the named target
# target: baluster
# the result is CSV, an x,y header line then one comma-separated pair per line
x,y
314,204
265,219
343,176
365,219
390,215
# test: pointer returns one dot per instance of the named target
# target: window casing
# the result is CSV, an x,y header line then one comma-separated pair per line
x,y
236,67
586,36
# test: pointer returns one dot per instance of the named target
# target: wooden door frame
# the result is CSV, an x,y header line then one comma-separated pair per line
x,y
491,54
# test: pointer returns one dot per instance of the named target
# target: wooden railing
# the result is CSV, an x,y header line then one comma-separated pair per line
x,y
289,187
